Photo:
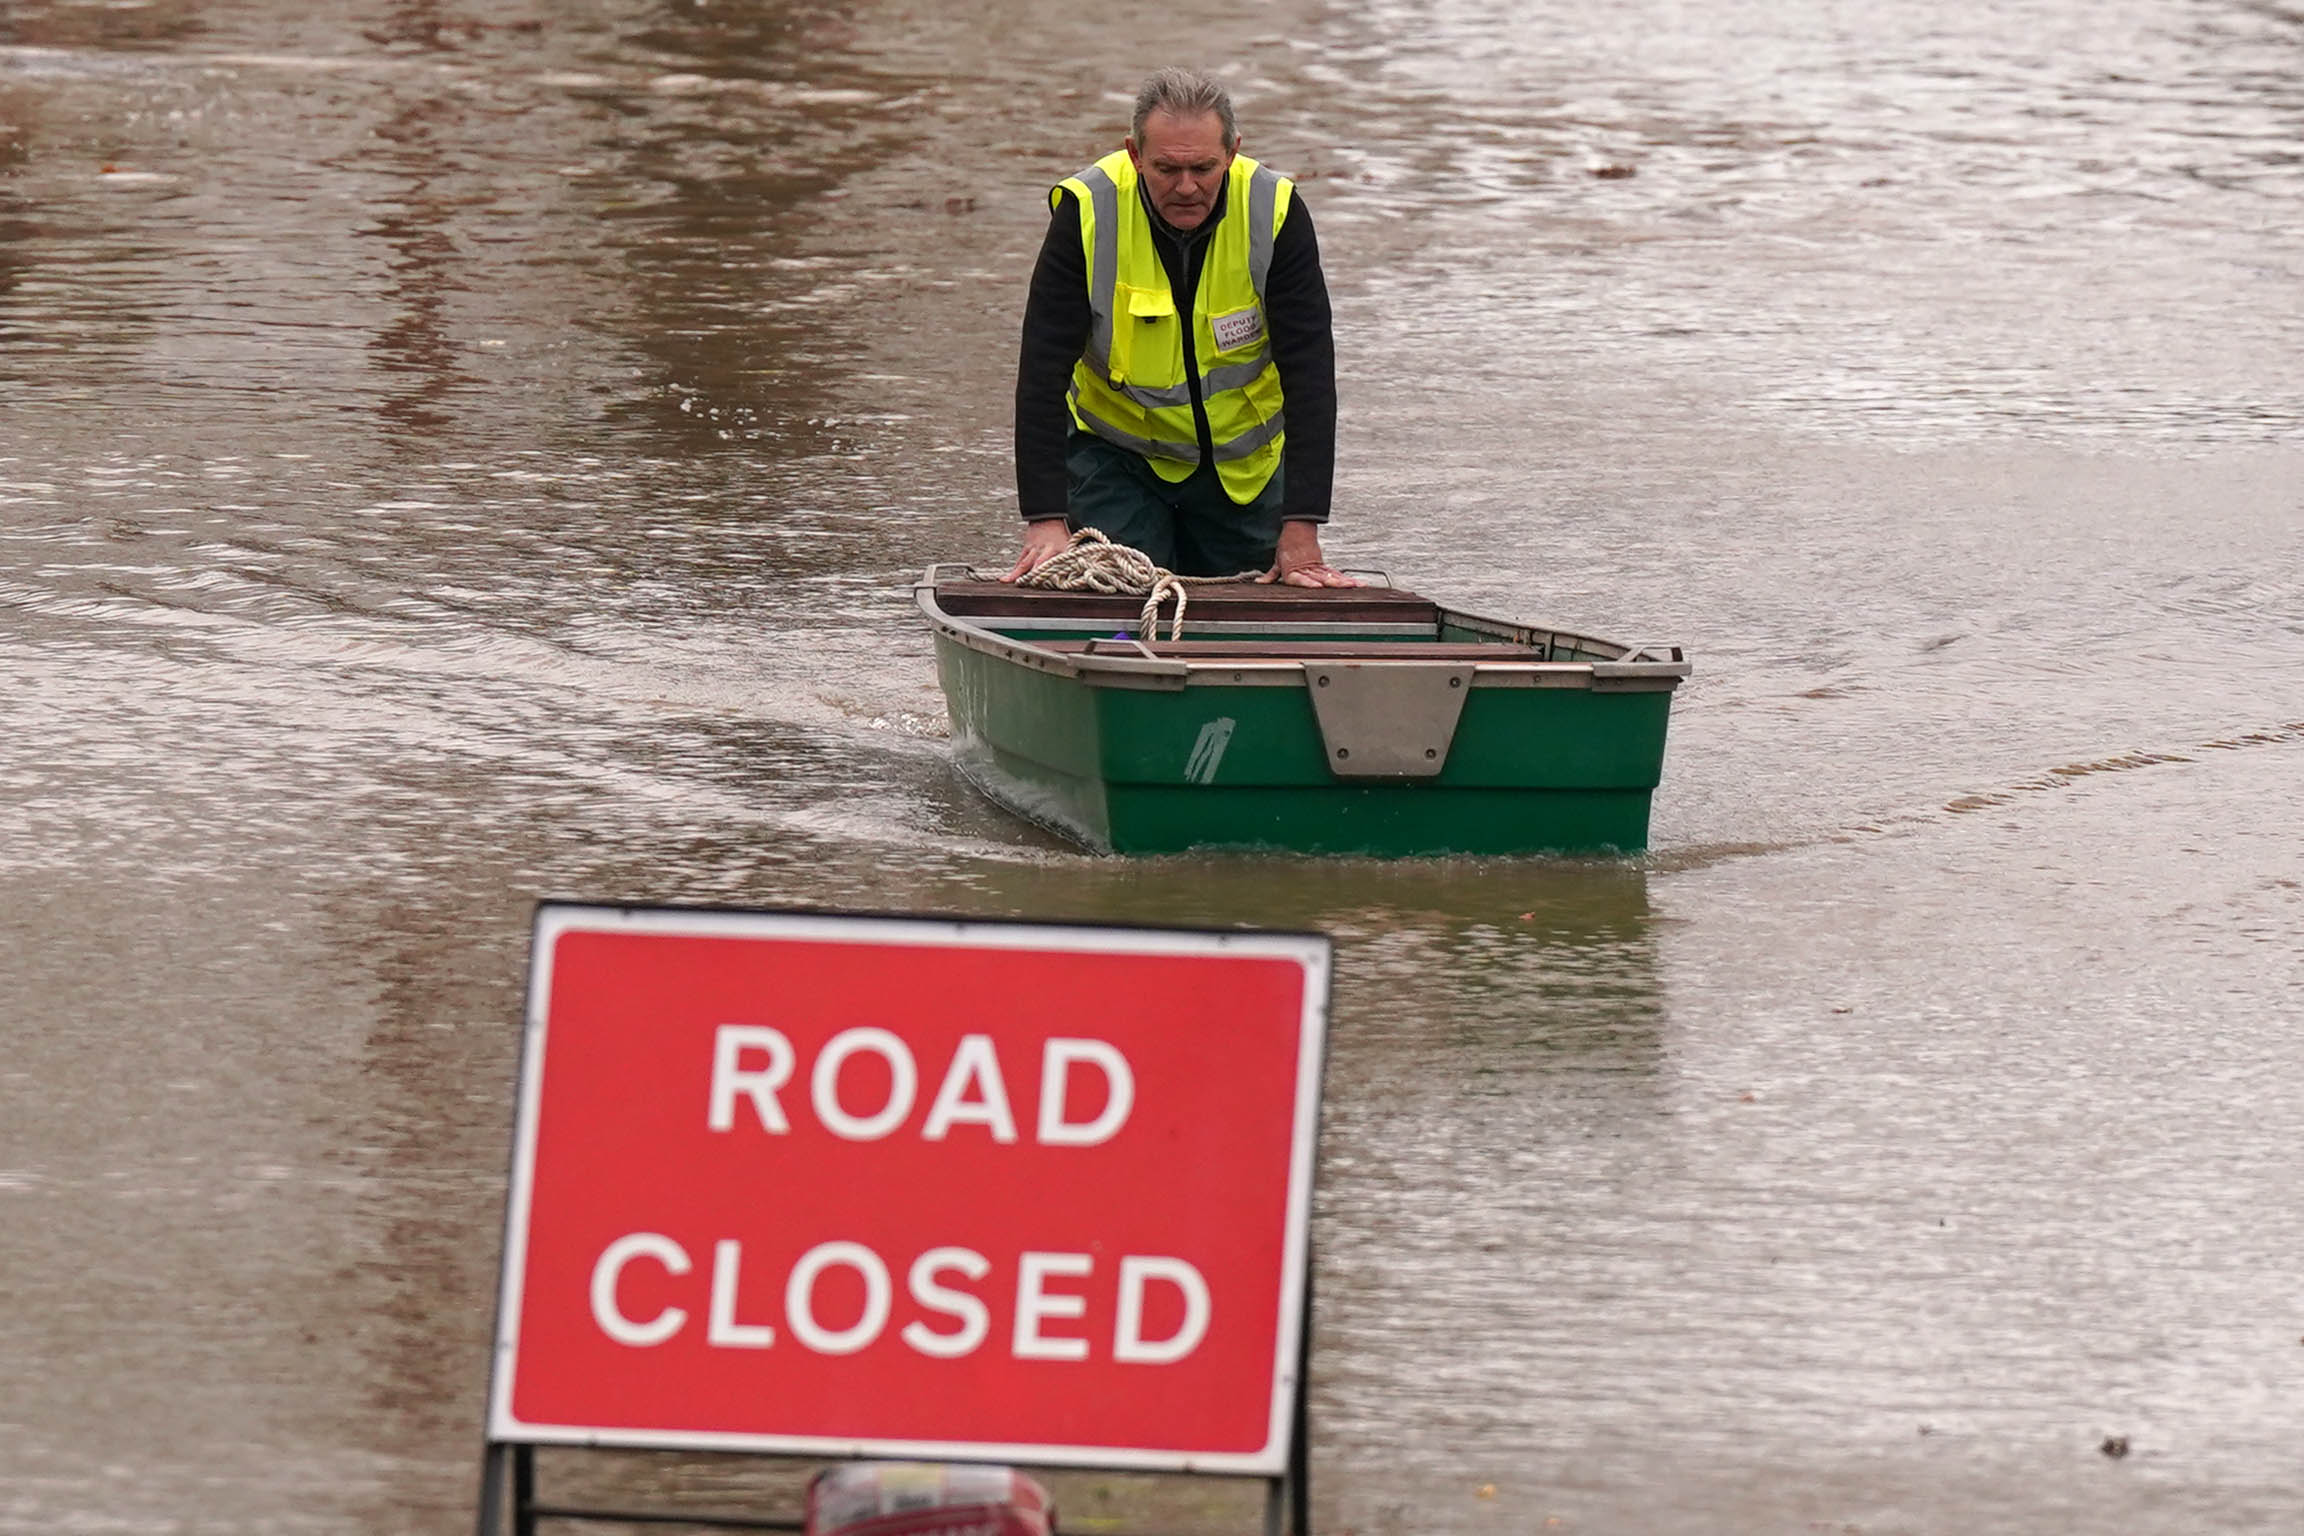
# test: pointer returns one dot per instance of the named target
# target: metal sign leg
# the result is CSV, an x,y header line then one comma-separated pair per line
x,y
1300,1432
1293,1488
1300,1475
492,1490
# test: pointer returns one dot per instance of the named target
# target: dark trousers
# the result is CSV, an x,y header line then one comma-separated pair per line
x,y
1190,526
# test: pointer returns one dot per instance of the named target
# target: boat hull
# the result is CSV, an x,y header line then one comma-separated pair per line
x,y
1129,754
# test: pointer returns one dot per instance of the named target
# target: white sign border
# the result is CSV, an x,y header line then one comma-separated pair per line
x,y
1312,952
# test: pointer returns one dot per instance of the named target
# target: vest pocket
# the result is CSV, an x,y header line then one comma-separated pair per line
x,y
1147,318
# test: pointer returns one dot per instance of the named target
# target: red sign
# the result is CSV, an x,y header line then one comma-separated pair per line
x,y
893,1186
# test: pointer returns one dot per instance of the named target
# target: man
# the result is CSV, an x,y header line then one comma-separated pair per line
x,y
1177,384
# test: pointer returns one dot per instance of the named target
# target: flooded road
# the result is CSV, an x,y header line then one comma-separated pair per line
x,y
454,455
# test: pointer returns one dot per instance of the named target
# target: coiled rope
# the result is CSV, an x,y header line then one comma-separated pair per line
x,y
1093,563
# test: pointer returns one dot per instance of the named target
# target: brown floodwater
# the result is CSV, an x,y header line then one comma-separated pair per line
x,y
457,454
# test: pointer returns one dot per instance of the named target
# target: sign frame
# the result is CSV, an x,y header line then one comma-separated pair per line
x,y
510,1444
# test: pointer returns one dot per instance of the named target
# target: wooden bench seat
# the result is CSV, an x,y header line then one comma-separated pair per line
x,y
1302,650
1242,602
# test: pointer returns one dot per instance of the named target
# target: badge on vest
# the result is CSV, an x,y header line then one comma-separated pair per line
x,y
1242,327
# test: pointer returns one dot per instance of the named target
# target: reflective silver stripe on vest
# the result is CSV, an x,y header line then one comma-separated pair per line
x,y
1214,381
1235,375
1263,194
1104,272
1151,398
1252,439
1150,448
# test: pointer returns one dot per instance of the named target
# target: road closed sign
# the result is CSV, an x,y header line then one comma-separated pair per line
x,y
830,1185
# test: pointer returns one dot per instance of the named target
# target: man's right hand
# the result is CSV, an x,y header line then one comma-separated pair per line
x,y
1042,537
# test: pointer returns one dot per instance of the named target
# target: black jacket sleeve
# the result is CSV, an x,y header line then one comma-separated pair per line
x,y
1056,324
1304,349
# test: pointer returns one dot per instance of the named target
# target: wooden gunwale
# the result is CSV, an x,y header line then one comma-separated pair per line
x,y
1267,623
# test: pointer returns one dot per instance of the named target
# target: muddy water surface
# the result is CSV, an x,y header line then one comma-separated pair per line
x,y
456,454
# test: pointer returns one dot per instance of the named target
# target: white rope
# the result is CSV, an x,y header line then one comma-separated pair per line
x,y
1093,563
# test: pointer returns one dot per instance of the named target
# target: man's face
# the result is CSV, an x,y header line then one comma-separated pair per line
x,y
1182,161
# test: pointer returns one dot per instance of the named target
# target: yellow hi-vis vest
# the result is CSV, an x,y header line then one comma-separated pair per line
x,y
1130,387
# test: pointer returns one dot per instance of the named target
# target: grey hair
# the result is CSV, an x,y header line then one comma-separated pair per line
x,y
1186,93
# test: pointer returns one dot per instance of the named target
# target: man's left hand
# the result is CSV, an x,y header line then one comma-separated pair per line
x,y
1299,563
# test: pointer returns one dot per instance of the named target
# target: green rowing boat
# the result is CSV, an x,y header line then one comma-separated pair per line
x,y
1361,720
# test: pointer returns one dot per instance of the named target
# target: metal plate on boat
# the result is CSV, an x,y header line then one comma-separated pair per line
x,y
1387,719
